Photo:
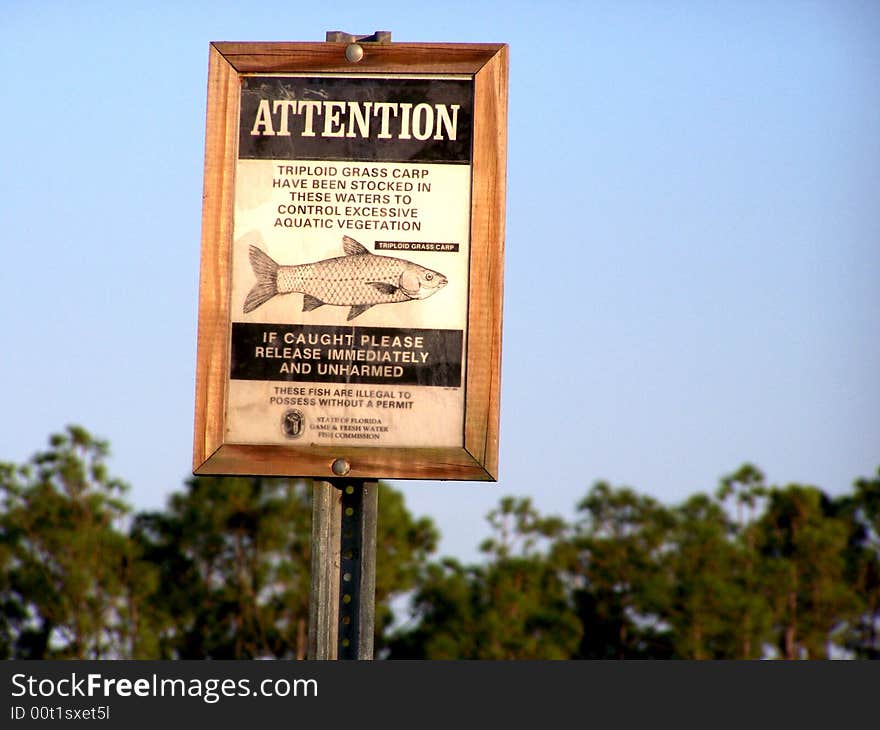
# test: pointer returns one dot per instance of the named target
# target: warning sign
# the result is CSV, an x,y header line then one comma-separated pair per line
x,y
347,263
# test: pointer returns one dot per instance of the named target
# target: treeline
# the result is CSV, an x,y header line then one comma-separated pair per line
x,y
749,571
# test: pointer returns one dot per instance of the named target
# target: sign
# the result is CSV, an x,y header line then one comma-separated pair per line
x,y
352,250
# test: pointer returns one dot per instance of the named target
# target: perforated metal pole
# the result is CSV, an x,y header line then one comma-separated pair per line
x,y
342,604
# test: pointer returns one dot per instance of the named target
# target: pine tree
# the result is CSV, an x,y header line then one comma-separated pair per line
x,y
66,557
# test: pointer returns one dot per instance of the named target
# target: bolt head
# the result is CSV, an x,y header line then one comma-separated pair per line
x,y
354,52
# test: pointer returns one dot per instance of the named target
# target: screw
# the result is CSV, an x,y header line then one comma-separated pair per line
x,y
353,52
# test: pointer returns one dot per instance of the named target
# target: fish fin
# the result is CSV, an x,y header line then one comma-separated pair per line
x,y
357,310
310,303
353,248
383,287
267,282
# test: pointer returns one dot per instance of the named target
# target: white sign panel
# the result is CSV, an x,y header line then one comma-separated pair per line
x,y
350,261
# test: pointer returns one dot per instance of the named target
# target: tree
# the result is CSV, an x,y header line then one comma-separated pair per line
x,y
527,612
223,571
861,511
802,544
445,621
515,606
615,565
66,559
403,546
706,598
747,489
234,556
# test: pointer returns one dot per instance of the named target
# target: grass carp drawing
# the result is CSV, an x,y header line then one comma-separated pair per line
x,y
359,280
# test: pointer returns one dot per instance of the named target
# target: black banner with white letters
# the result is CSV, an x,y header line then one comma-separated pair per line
x,y
363,355
358,119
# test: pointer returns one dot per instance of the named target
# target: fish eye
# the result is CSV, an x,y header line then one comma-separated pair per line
x,y
428,277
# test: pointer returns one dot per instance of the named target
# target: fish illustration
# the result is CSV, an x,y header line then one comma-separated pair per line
x,y
359,280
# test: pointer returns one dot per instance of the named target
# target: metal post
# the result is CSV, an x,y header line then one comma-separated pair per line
x,y
343,580
338,36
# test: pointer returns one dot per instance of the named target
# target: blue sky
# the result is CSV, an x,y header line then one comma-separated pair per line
x,y
692,254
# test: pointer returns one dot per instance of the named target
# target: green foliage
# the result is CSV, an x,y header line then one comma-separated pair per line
x,y
615,564
803,544
232,555
708,597
861,512
66,562
518,528
754,570
223,572
403,544
514,607
750,581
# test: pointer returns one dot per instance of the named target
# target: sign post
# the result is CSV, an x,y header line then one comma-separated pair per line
x,y
342,600
351,284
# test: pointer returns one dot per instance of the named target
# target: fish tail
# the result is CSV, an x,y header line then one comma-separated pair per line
x,y
266,287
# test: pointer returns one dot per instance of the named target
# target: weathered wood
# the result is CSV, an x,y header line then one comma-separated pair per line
x,y
367,587
214,280
366,462
460,58
324,593
487,262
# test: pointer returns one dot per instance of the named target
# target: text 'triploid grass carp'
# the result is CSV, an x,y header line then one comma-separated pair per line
x,y
359,280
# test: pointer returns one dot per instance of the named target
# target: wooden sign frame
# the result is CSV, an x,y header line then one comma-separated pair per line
x,y
477,458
